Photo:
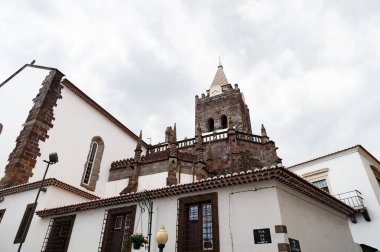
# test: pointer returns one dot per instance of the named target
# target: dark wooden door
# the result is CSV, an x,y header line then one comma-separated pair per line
x,y
118,229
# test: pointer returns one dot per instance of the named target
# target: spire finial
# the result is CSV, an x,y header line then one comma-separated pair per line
x,y
220,62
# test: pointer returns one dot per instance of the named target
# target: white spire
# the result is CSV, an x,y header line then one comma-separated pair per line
x,y
220,79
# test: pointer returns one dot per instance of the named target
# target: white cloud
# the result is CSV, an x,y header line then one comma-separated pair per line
x,y
308,69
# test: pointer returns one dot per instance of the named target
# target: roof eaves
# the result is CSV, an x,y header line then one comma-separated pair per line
x,y
47,182
368,153
280,174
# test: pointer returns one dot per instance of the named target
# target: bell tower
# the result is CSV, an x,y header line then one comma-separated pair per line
x,y
222,103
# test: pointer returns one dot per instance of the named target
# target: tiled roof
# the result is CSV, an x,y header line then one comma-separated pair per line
x,y
48,182
273,173
99,108
334,153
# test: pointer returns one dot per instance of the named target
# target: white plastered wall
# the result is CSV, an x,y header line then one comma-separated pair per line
x,y
75,125
350,171
113,188
153,181
15,205
186,178
240,210
316,226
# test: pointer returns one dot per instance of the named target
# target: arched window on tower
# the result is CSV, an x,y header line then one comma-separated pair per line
x,y
224,122
92,165
210,124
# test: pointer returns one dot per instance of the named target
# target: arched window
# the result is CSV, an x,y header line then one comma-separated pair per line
x,y
224,122
92,165
210,124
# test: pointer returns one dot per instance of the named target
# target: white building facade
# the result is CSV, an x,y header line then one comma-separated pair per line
x,y
55,116
352,175
225,190
263,210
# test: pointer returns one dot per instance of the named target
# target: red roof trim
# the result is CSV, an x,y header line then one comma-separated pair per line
x,y
280,174
99,108
48,182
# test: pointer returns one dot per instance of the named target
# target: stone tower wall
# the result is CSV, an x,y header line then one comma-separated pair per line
x,y
230,103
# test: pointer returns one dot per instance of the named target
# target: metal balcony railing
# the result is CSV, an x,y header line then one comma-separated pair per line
x,y
355,200
352,198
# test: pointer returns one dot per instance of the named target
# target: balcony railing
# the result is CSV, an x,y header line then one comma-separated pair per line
x,y
353,198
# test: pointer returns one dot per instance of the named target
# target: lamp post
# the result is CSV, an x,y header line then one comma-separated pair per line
x,y
161,238
53,158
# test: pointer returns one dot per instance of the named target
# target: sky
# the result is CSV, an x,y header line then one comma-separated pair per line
x,y
309,70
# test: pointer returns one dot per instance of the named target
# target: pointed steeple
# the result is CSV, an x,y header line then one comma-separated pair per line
x,y
138,149
220,80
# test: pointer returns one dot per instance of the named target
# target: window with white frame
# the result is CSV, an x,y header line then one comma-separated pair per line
x,y
321,184
318,178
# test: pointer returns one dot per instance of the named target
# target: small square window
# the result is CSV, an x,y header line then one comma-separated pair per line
x,y
321,184
193,213
118,221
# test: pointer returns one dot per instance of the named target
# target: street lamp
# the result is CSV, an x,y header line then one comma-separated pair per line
x,y
161,238
53,158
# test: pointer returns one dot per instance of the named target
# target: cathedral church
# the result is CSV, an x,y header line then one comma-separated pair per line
x,y
223,190
223,143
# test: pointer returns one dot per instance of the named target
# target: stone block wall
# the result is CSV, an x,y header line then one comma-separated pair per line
x,y
230,103
23,158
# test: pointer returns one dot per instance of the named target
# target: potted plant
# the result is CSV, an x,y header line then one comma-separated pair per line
x,y
137,240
